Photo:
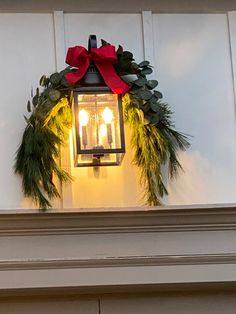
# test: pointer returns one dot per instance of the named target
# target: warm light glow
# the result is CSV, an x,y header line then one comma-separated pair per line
x,y
103,130
83,117
107,115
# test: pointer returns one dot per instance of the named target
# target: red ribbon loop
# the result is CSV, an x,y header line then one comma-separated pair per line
x,y
104,58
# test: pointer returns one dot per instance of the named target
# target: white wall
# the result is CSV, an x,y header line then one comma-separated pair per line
x,y
194,69
193,66
27,51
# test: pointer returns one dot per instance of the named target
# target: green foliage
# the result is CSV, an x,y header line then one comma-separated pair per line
x,y
48,125
154,139
154,146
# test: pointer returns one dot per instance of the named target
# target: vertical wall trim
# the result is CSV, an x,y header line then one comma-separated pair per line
x,y
148,39
60,53
231,17
59,31
59,38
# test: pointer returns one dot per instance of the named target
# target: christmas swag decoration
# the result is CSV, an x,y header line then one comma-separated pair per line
x,y
154,139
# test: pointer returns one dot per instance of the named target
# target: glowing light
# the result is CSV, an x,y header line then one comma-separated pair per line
x,y
107,115
103,130
83,117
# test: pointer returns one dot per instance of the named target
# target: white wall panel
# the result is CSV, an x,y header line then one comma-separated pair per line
x,y
123,29
194,69
193,62
26,52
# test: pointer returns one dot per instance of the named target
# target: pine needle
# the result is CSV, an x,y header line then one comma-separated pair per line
x,y
154,146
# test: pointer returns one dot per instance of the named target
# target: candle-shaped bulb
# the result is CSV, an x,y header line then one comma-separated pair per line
x,y
83,117
83,120
107,116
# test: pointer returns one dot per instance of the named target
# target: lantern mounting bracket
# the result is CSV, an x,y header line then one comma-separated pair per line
x,y
92,42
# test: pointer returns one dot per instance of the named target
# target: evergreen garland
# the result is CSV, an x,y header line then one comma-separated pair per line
x,y
153,136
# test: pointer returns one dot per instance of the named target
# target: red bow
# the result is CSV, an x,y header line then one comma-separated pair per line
x,y
104,58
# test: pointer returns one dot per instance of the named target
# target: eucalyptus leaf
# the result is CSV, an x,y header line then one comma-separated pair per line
x,y
152,84
135,66
144,94
54,95
144,64
135,90
158,94
55,78
127,55
28,106
43,81
64,82
140,81
124,65
146,71
146,107
35,100
155,107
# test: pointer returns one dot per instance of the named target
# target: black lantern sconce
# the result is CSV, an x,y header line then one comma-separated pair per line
x,y
98,120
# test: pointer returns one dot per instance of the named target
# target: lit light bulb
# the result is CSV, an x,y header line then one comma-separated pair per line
x,y
83,117
107,115
103,130
83,120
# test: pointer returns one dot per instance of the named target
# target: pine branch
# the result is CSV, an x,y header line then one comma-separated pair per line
x,y
154,146
38,151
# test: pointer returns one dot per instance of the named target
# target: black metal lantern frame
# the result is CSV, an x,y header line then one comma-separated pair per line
x,y
92,92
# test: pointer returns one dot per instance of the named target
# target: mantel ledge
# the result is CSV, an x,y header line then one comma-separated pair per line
x,y
109,248
118,220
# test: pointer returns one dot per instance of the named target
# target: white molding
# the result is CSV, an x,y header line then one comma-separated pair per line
x,y
131,220
231,16
127,261
118,248
148,38
59,33
60,55
120,276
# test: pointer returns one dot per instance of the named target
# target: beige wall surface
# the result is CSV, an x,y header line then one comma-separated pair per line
x,y
171,303
208,302
40,305
159,6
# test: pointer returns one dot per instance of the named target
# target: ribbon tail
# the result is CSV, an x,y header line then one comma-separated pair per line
x,y
111,78
74,77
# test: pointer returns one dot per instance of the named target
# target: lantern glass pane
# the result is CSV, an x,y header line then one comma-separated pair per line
x,y
98,121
